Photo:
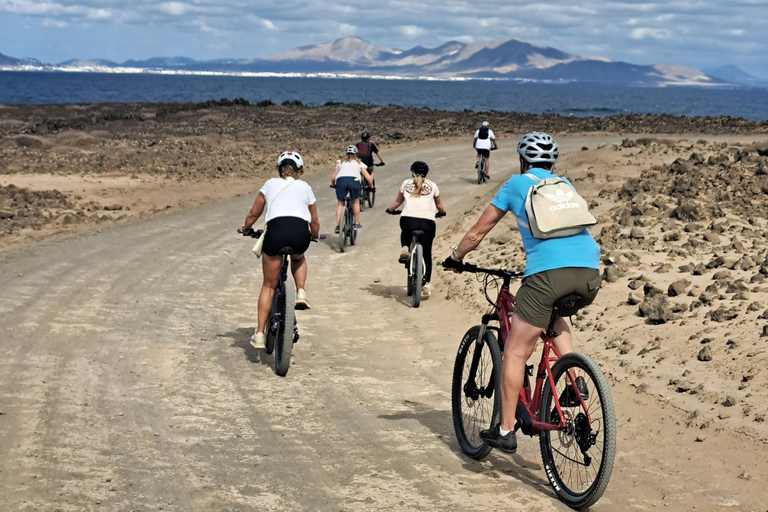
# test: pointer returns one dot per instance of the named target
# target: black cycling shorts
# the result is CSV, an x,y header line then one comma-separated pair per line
x,y
484,152
290,232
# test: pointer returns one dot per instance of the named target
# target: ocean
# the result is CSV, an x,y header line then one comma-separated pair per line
x,y
568,99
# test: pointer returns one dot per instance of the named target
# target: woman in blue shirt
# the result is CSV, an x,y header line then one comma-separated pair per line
x,y
554,267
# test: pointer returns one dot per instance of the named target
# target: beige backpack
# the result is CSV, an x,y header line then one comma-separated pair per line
x,y
555,209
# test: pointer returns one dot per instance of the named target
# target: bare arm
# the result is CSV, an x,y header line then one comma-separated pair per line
x,y
397,202
256,211
493,141
364,172
314,223
378,154
474,143
333,177
439,204
490,217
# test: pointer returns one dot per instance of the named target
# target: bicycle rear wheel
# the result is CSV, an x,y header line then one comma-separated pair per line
x,y
363,197
578,460
418,275
343,231
284,341
351,228
481,171
475,391
269,342
409,278
372,196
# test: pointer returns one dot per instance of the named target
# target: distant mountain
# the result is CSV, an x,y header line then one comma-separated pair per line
x,y
160,63
75,63
9,61
509,59
733,74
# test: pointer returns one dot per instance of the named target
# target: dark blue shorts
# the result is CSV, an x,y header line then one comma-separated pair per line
x,y
346,184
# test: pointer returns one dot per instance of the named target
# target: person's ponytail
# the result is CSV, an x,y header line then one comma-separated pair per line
x,y
418,184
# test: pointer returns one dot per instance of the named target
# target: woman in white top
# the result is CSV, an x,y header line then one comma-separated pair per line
x,y
346,178
422,205
291,222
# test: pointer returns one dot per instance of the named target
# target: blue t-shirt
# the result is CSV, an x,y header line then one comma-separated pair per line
x,y
571,251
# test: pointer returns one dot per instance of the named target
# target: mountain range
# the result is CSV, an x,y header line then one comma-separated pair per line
x,y
509,59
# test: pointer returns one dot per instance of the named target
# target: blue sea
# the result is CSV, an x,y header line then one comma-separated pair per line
x,y
569,99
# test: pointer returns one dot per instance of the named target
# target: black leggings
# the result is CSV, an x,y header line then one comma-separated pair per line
x,y
409,224
290,232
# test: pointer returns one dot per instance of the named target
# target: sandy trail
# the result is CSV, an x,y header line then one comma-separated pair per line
x,y
127,381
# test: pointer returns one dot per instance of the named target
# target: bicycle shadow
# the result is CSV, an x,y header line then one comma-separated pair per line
x,y
390,292
241,338
440,422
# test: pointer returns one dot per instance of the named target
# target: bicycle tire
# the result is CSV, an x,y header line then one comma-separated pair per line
x,y
467,403
409,278
269,341
284,341
351,228
481,171
418,275
590,491
343,231
372,196
363,197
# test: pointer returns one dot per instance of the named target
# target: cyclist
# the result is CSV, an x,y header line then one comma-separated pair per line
x,y
484,141
365,151
554,267
422,202
346,178
292,221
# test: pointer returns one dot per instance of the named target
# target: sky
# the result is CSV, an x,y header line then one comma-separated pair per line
x,y
696,33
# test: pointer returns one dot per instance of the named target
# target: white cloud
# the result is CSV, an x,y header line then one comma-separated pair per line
x,y
267,24
650,33
345,30
174,8
411,30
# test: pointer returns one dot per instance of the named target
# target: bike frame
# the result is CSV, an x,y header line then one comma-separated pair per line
x,y
504,307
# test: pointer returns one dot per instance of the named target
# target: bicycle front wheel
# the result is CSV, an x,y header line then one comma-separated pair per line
x,y
475,391
578,460
284,341
418,274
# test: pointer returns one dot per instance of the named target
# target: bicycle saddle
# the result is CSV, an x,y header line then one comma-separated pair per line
x,y
285,250
567,305
417,232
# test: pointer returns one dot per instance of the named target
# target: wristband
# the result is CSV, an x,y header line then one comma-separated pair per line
x,y
456,256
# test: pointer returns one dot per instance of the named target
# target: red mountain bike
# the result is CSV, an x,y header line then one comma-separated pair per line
x,y
575,422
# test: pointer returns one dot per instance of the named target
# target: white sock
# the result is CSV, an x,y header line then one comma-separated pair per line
x,y
503,432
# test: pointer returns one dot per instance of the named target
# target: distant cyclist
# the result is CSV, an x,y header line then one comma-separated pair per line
x,y
485,140
346,179
365,151
554,267
422,202
292,221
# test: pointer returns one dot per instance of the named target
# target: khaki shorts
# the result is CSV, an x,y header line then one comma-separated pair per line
x,y
538,292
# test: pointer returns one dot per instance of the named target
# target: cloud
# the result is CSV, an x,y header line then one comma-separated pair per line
x,y
703,31
174,8
411,30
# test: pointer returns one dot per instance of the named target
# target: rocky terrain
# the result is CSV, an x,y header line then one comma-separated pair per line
x,y
73,166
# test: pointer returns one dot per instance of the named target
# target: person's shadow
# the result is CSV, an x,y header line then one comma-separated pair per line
x,y
440,422
390,292
241,338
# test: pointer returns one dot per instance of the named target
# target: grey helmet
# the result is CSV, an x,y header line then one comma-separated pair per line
x,y
537,147
351,149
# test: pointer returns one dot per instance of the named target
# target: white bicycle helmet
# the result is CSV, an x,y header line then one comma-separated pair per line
x,y
485,123
351,150
538,147
292,156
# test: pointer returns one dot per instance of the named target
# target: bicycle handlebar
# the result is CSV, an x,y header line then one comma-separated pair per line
x,y
472,268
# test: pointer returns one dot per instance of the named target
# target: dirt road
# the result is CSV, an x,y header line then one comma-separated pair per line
x,y
127,381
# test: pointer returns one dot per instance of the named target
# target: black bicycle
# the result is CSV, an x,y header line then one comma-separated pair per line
x,y
347,231
414,264
480,166
280,337
368,193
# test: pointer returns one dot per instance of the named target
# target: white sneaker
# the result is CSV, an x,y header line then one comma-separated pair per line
x,y
301,300
403,255
258,340
426,290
